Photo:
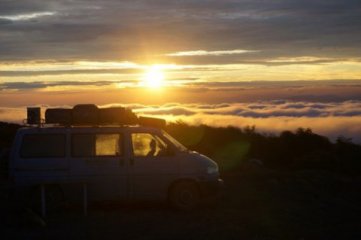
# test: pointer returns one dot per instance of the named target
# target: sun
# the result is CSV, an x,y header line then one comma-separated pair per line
x,y
154,77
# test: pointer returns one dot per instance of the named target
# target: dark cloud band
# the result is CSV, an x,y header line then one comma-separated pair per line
x,y
126,29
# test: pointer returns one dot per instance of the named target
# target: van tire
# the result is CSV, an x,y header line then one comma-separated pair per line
x,y
184,196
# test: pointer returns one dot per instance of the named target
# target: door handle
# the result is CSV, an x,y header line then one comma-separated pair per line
x,y
131,161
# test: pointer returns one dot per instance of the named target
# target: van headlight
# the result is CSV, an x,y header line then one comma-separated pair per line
x,y
212,169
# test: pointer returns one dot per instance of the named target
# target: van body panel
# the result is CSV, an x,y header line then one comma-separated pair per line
x,y
105,159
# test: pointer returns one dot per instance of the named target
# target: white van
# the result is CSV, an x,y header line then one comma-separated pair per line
x,y
116,162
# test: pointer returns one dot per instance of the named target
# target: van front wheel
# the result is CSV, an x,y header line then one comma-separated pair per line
x,y
184,196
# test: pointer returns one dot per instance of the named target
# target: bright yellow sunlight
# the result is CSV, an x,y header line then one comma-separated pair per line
x,y
154,77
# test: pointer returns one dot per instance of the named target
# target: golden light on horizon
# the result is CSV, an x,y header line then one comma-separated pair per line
x,y
154,77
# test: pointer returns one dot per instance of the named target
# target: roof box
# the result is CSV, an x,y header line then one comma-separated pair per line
x,y
152,122
117,115
85,114
58,116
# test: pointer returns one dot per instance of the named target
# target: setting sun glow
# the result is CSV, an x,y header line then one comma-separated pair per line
x,y
154,77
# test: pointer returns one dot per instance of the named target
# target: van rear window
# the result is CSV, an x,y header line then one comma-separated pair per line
x,y
43,145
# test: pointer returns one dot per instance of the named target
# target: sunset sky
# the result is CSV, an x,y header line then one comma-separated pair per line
x,y
274,64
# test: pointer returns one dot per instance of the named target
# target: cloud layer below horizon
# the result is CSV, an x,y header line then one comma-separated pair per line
x,y
332,119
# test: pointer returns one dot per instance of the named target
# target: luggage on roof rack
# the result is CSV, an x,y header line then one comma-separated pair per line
x,y
117,115
58,116
85,114
152,122
90,114
33,115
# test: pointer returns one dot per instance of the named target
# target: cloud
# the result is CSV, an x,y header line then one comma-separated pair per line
x,y
220,41
209,53
263,109
39,85
26,16
166,110
12,114
122,89
17,7
67,72
143,29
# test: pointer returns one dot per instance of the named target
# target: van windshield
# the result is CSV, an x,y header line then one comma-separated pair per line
x,y
177,144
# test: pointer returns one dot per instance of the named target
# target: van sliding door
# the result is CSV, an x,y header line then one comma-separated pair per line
x,y
98,158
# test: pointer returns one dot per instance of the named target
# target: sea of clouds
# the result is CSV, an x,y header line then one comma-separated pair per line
x,y
332,119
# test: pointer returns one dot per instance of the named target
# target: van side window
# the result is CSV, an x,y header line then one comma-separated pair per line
x,y
148,145
91,145
82,145
43,145
107,145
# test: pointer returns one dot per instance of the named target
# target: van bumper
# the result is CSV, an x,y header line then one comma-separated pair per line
x,y
211,188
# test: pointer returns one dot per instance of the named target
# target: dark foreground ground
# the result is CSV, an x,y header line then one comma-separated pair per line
x,y
262,204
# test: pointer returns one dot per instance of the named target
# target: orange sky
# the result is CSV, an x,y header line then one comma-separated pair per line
x,y
154,53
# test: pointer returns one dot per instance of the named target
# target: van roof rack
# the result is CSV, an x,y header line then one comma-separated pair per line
x,y
90,115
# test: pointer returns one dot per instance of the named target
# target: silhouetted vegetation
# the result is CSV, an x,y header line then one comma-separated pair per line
x,y
234,148
7,133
